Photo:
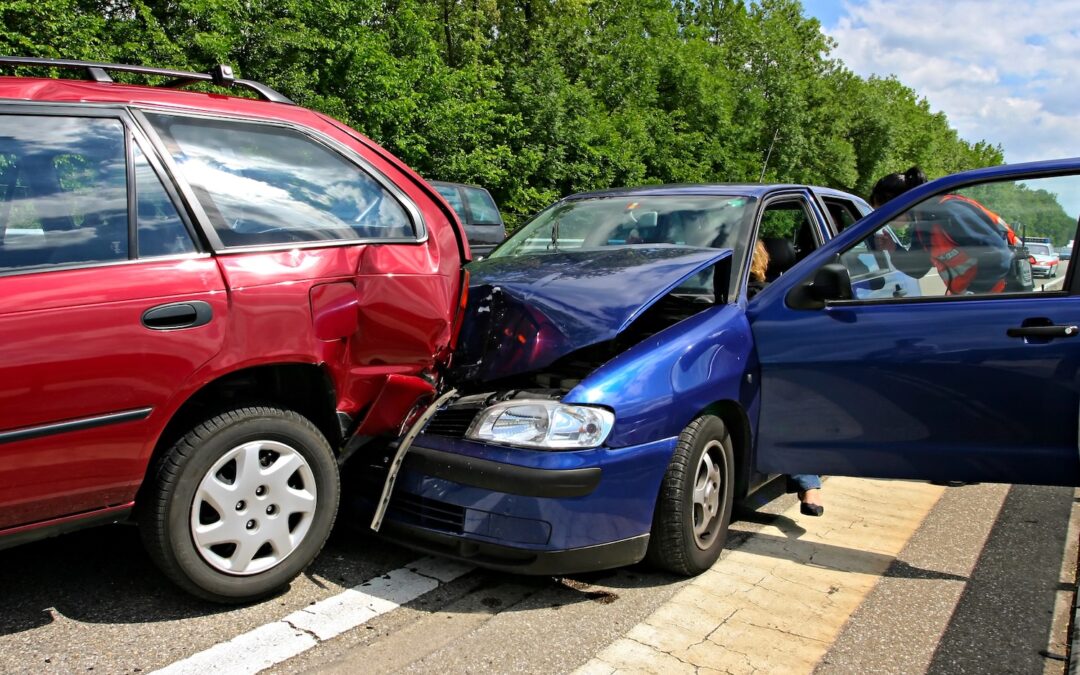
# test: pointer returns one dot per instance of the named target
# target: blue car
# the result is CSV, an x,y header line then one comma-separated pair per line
x,y
617,390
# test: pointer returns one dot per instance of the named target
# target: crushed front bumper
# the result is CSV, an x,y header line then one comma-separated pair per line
x,y
527,511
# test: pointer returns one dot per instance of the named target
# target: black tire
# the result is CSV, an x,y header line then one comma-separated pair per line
x,y
673,544
165,510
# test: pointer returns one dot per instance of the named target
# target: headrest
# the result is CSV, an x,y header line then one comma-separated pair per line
x,y
781,256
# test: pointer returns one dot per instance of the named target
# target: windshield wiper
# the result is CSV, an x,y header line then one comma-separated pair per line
x,y
555,235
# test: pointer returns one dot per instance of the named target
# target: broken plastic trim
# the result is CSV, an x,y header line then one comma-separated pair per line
x,y
399,456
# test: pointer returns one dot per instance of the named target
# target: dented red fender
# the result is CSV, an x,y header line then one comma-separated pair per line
x,y
390,410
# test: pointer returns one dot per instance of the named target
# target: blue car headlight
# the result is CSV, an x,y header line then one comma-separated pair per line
x,y
545,425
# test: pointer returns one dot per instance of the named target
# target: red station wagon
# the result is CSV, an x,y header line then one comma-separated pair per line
x,y
206,302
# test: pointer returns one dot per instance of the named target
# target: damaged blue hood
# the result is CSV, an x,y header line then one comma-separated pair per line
x,y
525,312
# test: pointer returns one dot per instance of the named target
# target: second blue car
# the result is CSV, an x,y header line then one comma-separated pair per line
x,y
618,390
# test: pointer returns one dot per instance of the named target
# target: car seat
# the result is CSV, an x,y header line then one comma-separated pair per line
x,y
781,252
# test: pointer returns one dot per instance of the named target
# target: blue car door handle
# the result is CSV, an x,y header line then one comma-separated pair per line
x,y
1044,332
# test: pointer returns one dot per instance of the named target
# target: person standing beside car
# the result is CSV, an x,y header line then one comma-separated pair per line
x,y
952,234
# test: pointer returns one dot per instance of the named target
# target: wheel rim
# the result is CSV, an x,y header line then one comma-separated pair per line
x,y
708,485
253,507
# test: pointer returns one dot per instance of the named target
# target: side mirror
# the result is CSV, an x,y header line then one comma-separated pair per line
x,y
831,282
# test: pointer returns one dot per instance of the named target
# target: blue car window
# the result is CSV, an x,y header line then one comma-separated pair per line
x,y
843,212
969,242
709,221
861,260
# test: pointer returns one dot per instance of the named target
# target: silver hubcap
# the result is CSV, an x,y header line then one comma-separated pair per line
x,y
708,483
253,507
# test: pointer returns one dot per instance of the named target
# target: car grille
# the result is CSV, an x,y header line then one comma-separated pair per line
x,y
430,513
452,421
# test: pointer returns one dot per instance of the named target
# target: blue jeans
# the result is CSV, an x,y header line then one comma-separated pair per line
x,y
803,482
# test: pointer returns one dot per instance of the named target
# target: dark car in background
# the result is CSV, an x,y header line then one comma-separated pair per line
x,y
478,213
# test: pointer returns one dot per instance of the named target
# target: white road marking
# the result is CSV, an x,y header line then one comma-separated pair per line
x,y
1050,284
298,632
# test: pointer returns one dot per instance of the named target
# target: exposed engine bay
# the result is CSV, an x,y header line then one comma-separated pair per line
x,y
549,326
559,377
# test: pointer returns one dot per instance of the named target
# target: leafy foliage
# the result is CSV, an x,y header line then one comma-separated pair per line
x,y
535,99
1029,210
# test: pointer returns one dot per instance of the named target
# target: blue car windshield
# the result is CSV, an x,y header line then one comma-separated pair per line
x,y
720,221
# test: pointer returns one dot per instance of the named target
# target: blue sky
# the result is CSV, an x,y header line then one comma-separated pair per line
x,y
1004,71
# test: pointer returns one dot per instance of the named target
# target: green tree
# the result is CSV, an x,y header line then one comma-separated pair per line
x,y
534,99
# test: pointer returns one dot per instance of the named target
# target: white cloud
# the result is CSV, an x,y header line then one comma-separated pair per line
x,y
1002,71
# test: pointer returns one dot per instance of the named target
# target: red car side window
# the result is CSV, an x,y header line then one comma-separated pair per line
x,y
63,191
267,184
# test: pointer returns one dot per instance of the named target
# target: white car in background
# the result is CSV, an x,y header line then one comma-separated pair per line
x,y
1044,259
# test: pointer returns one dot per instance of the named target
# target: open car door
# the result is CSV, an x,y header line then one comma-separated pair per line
x,y
970,374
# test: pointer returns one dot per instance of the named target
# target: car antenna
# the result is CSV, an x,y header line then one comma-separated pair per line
x,y
768,154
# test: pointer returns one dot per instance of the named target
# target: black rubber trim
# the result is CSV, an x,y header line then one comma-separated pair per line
x,y
92,519
500,477
519,560
27,433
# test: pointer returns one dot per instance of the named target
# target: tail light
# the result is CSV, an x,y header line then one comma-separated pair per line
x,y
1032,260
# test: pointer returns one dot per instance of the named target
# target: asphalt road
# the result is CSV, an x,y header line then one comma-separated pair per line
x,y
976,584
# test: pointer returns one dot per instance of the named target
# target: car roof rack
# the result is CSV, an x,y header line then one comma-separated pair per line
x,y
221,75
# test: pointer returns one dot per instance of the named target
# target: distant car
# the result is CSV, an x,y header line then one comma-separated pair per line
x,y
478,213
1065,253
1044,259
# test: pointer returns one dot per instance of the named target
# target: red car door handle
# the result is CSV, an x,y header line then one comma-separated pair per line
x,y
1044,332
177,315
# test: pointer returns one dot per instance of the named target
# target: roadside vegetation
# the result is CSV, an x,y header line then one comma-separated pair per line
x,y
535,99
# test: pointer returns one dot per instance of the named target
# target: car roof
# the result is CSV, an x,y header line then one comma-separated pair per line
x,y
51,90
709,189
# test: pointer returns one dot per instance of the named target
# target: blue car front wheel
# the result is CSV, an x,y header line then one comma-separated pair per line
x,y
693,510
